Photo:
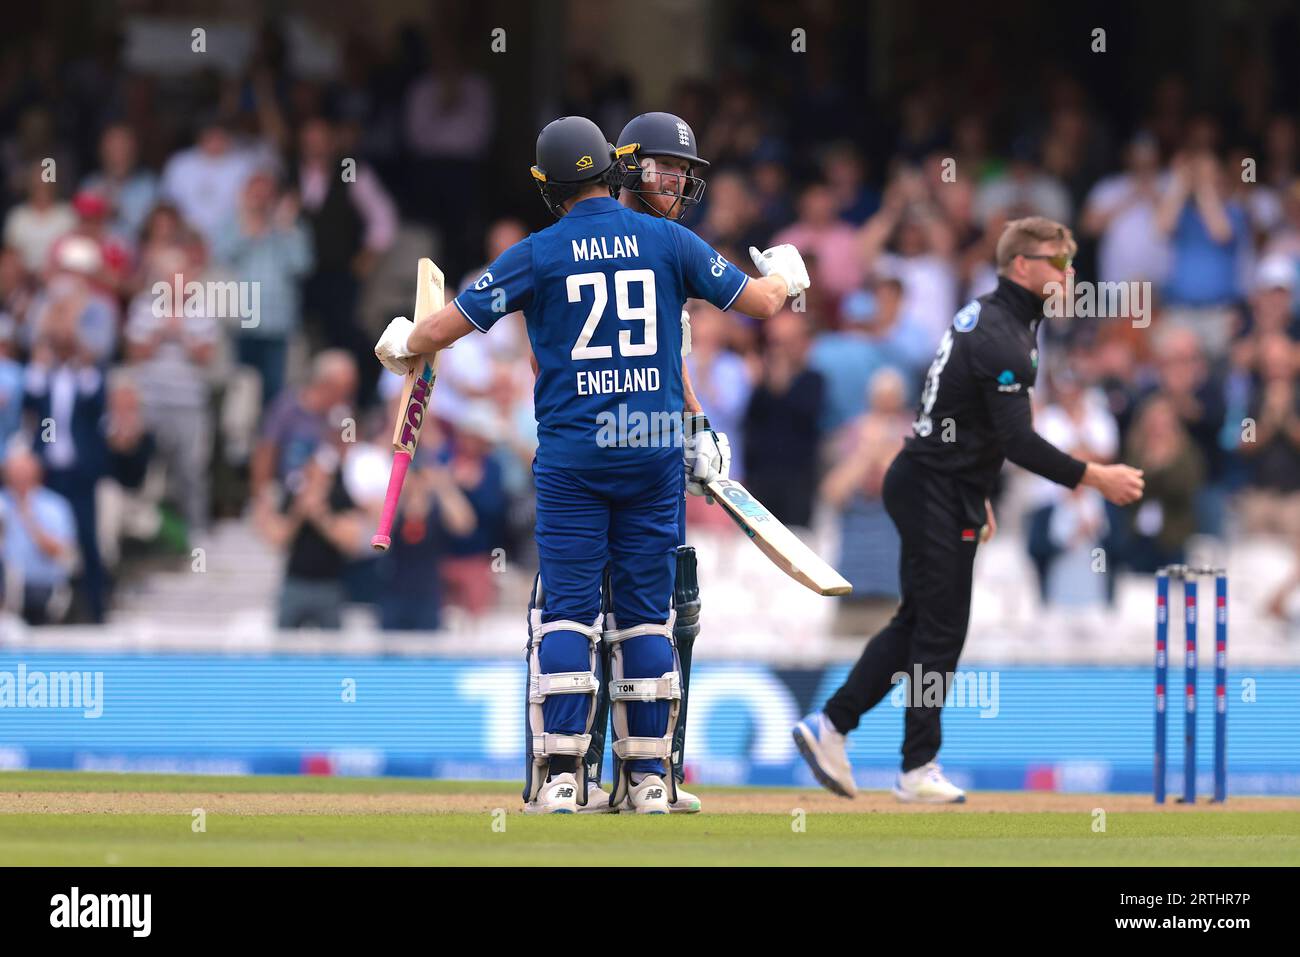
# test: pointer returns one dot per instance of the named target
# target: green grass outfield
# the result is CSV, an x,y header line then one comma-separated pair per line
x,y
450,837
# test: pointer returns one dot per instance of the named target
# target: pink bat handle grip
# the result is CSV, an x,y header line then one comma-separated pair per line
x,y
382,539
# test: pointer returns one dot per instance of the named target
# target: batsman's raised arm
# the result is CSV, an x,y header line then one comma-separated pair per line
x,y
505,287
762,298
439,330
404,339
784,275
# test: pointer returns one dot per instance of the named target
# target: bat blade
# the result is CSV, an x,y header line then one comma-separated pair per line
x,y
429,298
785,550
414,403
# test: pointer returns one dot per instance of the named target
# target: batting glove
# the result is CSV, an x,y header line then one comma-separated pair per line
x,y
783,261
707,455
391,348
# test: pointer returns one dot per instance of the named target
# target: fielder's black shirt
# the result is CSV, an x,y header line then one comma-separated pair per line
x,y
975,409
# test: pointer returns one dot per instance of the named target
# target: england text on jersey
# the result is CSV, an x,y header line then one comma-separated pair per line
x,y
604,247
608,381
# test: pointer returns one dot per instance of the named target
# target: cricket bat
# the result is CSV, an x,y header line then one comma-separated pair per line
x,y
776,541
429,298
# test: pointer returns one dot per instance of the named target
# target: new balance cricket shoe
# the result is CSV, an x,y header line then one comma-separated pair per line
x,y
927,785
559,795
648,797
597,800
823,748
686,803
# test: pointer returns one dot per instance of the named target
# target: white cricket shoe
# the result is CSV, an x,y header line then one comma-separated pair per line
x,y
648,797
823,748
927,785
686,803
597,800
559,795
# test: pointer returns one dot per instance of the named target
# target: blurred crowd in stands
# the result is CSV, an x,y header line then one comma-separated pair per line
x,y
134,412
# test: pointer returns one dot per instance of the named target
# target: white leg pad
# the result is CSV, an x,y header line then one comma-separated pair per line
x,y
542,745
667,687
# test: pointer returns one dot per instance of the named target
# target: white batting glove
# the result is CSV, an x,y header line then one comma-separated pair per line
x,y
707,455
783,261
391,348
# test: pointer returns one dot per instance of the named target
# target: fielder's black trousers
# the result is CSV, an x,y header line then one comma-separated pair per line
x,y
938,520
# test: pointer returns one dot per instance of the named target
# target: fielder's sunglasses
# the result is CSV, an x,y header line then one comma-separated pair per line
x,y
1060,262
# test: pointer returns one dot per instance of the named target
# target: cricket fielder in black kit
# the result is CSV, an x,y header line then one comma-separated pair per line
x,y
974,413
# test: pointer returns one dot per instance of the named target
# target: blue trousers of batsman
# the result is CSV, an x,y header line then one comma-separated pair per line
x,y
624,519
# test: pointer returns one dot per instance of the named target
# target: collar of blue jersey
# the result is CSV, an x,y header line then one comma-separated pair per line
x,y
1022,302
597,204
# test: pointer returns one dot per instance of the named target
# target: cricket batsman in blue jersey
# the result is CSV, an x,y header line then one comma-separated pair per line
x,y
602,292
